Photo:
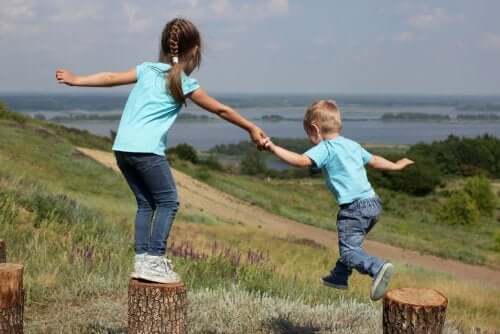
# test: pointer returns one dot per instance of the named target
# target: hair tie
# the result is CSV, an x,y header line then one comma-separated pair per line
x,y
175,59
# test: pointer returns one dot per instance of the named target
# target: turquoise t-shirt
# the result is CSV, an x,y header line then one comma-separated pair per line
x,y
150,111
343,163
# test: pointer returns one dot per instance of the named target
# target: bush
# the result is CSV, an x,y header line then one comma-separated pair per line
x,y
480,190
496,239
253,164
184,152
6,114
459,209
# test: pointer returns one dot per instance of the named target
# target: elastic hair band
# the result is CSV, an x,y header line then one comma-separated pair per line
x,y
175,59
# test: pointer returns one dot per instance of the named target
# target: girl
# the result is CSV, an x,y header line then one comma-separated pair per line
x,y
152,107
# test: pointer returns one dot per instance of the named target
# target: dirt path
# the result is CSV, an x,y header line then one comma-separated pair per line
x,y
201,196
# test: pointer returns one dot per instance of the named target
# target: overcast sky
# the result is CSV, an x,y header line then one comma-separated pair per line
x,y
365,46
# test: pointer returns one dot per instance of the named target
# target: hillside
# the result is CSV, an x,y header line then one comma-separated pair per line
x,y
69,219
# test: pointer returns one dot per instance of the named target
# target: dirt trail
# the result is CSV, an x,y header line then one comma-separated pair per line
x,y
201,196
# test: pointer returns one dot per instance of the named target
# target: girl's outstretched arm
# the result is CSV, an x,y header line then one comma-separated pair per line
x,y
205,101
103,79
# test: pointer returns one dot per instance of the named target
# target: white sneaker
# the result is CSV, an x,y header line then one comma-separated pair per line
x,y
158,269
138,265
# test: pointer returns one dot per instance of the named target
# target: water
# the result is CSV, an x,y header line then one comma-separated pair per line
x,y
362,116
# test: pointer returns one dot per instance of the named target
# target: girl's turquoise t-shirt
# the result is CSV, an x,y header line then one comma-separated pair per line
x,y
150,111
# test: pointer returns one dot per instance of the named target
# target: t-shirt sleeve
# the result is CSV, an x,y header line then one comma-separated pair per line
x,y
139,69
318,154
365,155
189,85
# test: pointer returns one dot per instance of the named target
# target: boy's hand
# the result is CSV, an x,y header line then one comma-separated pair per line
x,y
268,144
66,77
403,163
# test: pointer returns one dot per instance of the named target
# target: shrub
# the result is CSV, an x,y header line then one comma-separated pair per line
x,y
480,190
6,114
184,152
253,164
496,239
459,209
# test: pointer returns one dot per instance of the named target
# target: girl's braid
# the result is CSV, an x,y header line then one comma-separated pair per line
x,y
173,40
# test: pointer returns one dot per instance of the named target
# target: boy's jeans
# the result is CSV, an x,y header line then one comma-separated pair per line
x,y
149,177
354,221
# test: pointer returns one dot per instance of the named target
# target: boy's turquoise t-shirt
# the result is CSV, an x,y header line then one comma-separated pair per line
x,y
343,160
150,111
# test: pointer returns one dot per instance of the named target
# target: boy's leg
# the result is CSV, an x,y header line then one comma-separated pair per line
x,y
353,224
145,203
338,277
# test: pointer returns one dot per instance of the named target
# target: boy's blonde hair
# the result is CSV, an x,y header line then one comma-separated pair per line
x,y
325,114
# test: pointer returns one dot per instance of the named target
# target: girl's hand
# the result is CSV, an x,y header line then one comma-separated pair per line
x,y
66,77
258,137
404,163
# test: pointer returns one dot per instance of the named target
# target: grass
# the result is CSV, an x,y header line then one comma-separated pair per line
x,y
408,221
69,221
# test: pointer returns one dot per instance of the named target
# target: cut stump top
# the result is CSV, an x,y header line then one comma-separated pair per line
x,y
417,297
146,284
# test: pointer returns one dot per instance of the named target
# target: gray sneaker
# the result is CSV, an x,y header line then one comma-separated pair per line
x,y
381,281
158,269
138,265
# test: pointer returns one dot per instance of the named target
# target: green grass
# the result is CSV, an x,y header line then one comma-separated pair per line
x,y
408,221
69,221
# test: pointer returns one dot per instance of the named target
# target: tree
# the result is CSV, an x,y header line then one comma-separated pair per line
x,y
185,152
253,164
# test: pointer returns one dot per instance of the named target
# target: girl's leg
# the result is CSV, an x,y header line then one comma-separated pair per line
x,y
145,202
156,175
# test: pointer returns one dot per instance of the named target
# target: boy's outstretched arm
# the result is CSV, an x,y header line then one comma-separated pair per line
x,y
103,79
291,158
379,162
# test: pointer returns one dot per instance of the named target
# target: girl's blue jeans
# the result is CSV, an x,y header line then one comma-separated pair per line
x,y
354,221
150,179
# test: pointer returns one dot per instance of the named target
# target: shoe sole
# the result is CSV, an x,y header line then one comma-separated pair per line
x,y
332,285
157,279
381,282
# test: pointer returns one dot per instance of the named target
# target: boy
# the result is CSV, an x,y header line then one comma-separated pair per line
x,y
342,161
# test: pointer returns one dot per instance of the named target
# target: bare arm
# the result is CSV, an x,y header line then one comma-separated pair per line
x,y
379,162
205,101
103,79
291,158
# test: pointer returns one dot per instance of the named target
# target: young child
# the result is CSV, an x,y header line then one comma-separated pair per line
x,y
342,161
152,107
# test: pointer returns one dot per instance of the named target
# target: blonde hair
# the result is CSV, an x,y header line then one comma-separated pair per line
x,y
325,114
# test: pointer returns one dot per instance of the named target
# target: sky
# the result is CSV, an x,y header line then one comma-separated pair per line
x,y
264,46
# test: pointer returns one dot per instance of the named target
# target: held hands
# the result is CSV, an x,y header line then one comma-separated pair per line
x,y
66,77
402,163
258,137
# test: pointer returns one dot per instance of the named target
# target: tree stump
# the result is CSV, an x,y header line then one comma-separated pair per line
x,y
156,308
415,311
11,298
3,252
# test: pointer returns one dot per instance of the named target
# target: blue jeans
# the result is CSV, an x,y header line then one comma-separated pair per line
x,y
354,221
150,179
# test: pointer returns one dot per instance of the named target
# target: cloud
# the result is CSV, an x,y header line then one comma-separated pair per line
x,y
137,22
437,17
404,36
491,41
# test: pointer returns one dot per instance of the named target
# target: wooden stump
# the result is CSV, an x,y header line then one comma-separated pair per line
x,y
11,298
416,311
156,308
3,252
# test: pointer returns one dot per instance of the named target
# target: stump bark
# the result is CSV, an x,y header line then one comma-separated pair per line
x,y
11,298
3,252
156,308
415,311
